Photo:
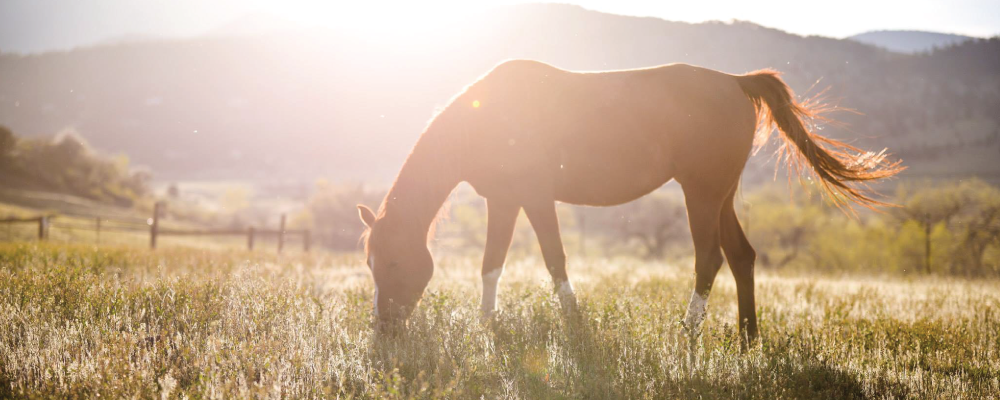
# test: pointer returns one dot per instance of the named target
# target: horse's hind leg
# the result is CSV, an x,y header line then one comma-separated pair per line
x,y
501,219
703,206
741,257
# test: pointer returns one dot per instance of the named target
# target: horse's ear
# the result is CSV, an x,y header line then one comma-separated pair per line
x,y
367,216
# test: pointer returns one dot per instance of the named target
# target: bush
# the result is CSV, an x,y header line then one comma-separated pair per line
x,y
332,215
66,164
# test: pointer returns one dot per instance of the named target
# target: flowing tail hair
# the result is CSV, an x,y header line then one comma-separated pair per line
x,y
843,170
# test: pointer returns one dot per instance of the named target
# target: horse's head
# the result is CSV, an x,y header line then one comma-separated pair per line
x,y
400,263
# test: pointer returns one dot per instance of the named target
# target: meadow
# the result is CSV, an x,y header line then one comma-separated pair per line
x,y
119,322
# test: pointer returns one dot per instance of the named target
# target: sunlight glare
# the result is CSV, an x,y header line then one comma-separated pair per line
x,y
371,18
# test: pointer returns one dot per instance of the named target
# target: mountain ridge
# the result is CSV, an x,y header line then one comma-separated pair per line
x,y
307,104
909,41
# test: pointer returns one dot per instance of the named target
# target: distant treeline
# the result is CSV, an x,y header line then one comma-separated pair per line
x,y
938,228
66,164
945,228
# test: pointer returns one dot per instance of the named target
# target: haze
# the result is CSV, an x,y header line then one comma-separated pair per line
x,y
31,26
250,198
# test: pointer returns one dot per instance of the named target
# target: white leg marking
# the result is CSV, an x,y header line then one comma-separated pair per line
x,y
371,264
696,312
567,298
565,289
490,282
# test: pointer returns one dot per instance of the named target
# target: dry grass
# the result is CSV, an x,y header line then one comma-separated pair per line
x,y
79,321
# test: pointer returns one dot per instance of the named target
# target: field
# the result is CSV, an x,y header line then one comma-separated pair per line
x,y
85,321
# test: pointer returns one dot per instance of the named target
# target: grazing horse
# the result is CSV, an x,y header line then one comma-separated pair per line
x,y
527,135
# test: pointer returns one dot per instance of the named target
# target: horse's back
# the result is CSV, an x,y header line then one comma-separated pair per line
x,y
707,121
603,138
635,130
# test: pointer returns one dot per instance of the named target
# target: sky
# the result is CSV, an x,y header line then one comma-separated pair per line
x,y
32,26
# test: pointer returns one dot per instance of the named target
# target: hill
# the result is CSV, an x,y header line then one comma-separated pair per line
x,y
909,41
295,105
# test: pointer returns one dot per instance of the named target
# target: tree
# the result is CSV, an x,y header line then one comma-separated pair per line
x,y
67,164
932,205
654,222
782,228
981,233
981,222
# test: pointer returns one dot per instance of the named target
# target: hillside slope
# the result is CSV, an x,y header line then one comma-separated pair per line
x,y
301,104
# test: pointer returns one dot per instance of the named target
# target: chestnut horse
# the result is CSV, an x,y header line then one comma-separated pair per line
x,y
527,135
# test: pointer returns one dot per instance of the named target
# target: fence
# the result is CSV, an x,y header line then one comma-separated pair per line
x,y
152,226
42,222
251,232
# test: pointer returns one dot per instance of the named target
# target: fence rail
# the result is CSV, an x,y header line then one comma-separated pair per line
x,y
42,221
152,225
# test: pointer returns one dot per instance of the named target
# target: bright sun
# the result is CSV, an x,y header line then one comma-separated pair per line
x,y
370,17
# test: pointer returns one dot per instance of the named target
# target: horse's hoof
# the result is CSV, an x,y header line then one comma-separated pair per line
x,y
487,317
567,298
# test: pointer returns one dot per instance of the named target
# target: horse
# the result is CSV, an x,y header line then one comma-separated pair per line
x,y
527,135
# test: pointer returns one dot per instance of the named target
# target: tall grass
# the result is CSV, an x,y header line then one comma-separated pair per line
x,y
82,321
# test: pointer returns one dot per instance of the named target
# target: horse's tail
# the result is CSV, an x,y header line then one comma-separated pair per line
x,y
842,169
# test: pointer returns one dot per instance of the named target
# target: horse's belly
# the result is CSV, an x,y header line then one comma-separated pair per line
x,y
610,172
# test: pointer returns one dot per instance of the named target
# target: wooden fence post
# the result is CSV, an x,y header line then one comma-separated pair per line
x,y
281,233
155,226
98,222
250,238
42,221
306,240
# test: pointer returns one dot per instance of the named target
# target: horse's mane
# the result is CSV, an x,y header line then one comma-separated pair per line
x,y
442,212
429,177
437,141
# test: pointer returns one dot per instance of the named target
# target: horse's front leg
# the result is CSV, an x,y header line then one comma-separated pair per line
x,y
542,216
501,218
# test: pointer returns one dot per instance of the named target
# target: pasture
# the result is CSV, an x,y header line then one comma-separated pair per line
x,y
85,321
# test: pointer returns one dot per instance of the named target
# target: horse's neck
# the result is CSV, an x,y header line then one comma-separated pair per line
x,y
428,176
